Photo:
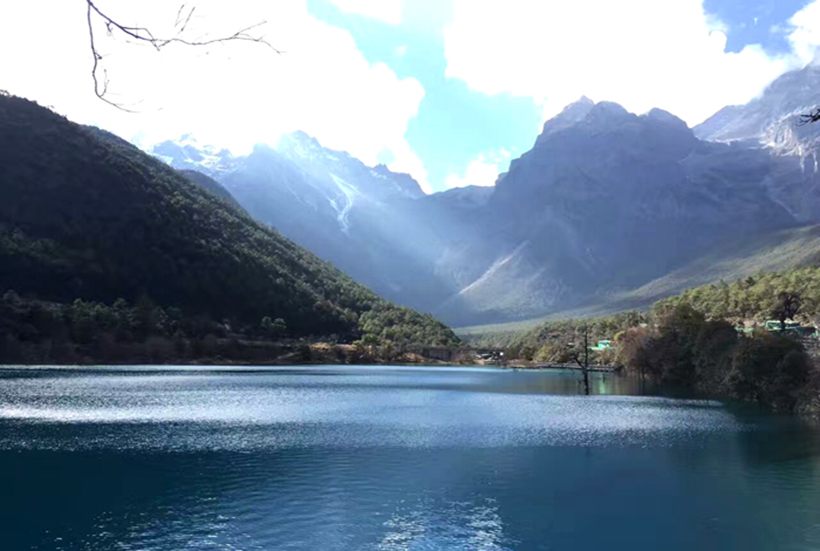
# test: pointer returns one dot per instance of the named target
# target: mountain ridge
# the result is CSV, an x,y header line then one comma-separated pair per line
x,y
605,201
86,215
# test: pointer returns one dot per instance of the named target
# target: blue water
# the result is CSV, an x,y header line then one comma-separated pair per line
x,y
392,458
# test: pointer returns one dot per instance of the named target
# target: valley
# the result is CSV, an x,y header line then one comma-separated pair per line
x,y
108,255
608,211
360,275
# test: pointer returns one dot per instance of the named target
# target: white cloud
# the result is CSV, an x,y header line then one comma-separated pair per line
x,y
388,11
407,161
640,53
482,171
805,37
228,95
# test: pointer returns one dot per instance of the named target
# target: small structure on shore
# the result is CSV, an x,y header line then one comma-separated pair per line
x,y
775,326
602,345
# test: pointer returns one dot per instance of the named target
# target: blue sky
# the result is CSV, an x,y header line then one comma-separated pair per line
x,y
752,21
446,90
455,125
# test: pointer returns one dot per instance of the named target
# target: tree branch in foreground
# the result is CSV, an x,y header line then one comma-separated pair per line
x,y
144,35
806,118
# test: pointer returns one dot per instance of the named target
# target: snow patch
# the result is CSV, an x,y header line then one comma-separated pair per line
x,y
497,265
345,203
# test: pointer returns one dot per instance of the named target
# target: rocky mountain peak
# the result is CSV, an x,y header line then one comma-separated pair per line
x,y
666,117
299,144
187,153
596,116
409,186
571,115
604,117
606,113
774,113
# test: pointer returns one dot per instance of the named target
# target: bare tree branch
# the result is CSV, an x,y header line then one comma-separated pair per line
x,y
814,116
144,35
188,20
100,89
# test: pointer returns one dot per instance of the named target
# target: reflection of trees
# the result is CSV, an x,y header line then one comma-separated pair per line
x,y
763,474
568,383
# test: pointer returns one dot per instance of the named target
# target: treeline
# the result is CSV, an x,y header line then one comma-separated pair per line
x,y
549,342
85,214
37,332
755,298
691,341
793,294
686,349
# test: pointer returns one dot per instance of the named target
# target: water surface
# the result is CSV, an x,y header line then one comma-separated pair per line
x,y
392,458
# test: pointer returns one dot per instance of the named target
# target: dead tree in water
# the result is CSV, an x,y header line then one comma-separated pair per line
x,y
585,365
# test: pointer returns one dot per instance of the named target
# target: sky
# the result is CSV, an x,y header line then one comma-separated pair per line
x,y
447,90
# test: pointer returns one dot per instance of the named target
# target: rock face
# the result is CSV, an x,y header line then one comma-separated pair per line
x,y
772,121
605,201
762,119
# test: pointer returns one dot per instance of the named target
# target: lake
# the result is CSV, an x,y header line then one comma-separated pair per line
x,y
377,458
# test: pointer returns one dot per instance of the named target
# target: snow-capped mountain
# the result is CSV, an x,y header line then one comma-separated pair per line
x,y
187,153
314,173
346,212
773,121
605,201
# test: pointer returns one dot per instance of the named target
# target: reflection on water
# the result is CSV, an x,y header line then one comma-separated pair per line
x,y
445,525
374,458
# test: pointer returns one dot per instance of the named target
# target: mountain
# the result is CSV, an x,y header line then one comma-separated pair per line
x,y
362,219
188,154
605,203
86,215
772,121
773,118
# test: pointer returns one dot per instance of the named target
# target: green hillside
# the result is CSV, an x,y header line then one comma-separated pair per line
x,y
211,185
85,215
780,251
751,299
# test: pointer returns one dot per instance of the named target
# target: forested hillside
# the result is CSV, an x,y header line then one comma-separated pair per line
x,y
211,185
754,298
84,215
750,301
694,340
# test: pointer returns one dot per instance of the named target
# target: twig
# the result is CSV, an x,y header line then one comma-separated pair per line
x,y
814,116
143,34
100,93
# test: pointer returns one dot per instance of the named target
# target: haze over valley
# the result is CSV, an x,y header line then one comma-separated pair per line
x,y
609,210
391,275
